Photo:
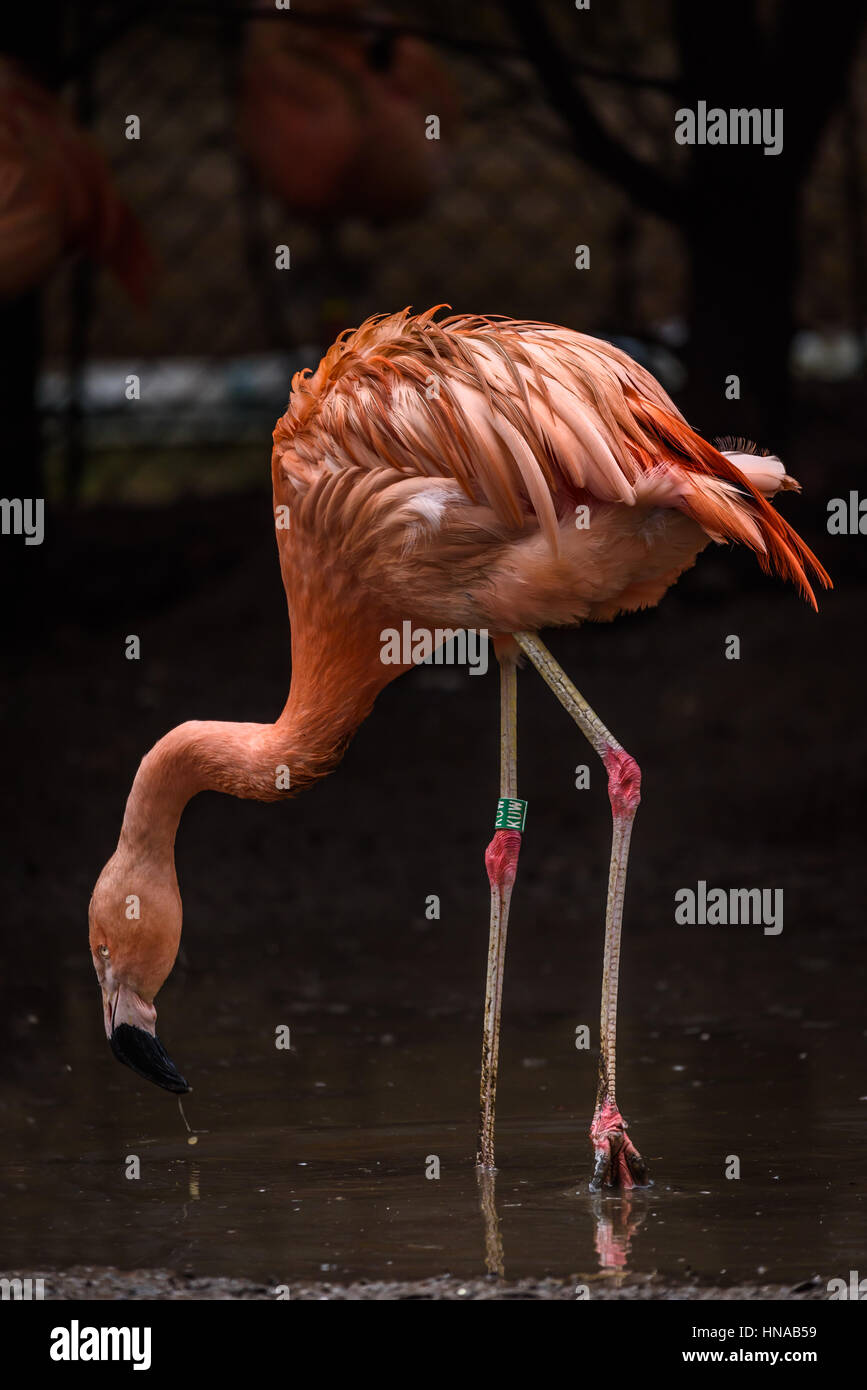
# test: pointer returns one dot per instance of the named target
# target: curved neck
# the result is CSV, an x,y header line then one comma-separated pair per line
x,y
329,697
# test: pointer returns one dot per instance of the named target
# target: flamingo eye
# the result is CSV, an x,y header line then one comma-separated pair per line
x,y
104,952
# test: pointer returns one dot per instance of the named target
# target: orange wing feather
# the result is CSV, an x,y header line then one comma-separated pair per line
x,y
781,547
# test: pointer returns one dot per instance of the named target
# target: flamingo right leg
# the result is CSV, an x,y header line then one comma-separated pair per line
x,y
617,1162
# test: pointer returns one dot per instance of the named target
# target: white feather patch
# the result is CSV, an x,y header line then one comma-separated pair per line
x,y
765,472
428,507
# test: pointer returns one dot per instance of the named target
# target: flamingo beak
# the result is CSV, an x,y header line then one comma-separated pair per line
x,y
130,1026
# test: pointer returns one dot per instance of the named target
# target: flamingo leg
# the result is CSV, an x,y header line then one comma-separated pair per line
x,y
501,862
617,1163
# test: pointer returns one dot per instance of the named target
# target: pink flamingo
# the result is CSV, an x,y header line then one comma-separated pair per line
x,y
57,195
333,120
434,471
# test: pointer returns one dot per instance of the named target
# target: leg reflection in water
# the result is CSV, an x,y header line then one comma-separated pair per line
x,y
491,1222
616,1224
616,1221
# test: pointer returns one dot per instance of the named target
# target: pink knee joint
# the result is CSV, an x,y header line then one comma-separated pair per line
x,y
624,782
501,858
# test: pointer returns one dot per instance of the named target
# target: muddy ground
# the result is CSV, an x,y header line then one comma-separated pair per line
x,y
86,1284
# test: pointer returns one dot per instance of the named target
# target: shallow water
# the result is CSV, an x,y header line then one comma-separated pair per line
x,y
311,1164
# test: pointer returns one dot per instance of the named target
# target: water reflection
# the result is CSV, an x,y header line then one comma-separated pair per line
x,y
323,1166
494,1263
617,1219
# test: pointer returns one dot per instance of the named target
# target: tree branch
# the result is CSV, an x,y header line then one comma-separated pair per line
x,y
592,141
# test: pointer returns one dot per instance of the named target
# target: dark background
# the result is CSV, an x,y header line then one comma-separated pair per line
x,y
557,130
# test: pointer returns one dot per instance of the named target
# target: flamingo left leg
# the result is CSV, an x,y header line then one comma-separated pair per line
x,y
617,1162
501,862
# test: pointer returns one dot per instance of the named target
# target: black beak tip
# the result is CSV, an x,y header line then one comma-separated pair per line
x,y
144,1054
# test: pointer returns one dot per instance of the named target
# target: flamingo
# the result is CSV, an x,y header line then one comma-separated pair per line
x,y
433,469
57,195
334,121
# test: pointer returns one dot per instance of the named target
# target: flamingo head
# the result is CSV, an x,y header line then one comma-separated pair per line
x,y
135,930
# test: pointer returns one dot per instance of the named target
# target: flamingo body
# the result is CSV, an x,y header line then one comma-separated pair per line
x,y
505,475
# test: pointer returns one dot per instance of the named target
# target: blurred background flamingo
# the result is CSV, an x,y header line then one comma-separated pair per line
x,y
58,198
335,118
